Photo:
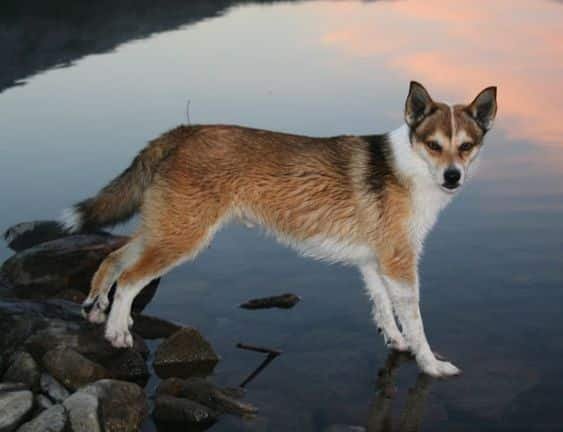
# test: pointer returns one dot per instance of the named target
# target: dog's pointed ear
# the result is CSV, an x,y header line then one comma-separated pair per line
x,y
484,108
418,104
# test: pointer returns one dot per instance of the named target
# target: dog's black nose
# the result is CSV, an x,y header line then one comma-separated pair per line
x,y
451,178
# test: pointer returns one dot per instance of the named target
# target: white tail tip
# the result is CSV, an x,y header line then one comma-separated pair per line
x,y
71,220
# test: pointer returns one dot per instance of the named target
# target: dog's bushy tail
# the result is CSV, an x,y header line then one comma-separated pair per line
x,y
123,196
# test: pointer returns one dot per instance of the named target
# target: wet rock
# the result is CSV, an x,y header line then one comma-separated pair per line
x,y
28,234
184,354
150,327
10,387
47,269
42,403
23,369
51,420
122,405
205,393
129,365
72,369
72,295
82,410
170,409
54,389
284,301
15,407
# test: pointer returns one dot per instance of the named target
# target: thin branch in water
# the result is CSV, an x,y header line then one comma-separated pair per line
x,y
269,358
268,351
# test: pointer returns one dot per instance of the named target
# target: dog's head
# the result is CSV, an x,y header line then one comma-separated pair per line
x,y
448,138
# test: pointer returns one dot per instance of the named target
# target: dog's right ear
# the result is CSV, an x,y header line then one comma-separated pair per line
x,y
418,104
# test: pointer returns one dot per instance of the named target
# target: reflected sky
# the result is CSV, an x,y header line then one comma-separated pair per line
x,y
491,274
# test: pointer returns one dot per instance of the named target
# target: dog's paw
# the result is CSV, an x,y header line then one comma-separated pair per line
x,y
119,338
439,369
94,310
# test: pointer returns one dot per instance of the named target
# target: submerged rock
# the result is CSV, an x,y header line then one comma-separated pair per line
x,y
184,354
23,369
10,387
63,267
122,405
284,301
202,391
170,409
129,365
51,420
72,369
15,407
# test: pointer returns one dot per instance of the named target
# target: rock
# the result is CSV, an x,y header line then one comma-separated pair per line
x,y
42,403
344,428
72,295
23,369
14,406
82,411
130,365
47,269
54,389
28,234
72,369
170,409
150,327
10,387
184,354
51,420
284,301
123,405
205,393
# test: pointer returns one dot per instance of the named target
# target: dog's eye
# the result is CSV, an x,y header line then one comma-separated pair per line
x,y
466,146
434,146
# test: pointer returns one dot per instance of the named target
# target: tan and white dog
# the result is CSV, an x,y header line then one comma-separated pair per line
x,y
368,201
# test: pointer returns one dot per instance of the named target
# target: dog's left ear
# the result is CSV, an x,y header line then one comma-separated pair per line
x,y
418,104
484,108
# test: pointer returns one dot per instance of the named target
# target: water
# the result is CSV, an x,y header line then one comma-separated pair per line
x,y
95,84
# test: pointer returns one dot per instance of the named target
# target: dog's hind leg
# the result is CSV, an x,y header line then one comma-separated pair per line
x,y
96,304
382,308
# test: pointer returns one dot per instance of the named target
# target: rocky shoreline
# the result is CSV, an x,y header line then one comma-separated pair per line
x,y
58,373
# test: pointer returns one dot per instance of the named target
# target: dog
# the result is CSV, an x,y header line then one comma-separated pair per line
x,y
367,201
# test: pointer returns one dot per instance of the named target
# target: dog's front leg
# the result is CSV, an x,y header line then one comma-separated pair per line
x,y
401,279
382,308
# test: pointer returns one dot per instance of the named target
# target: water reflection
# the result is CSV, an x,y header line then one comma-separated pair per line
x,y
380,417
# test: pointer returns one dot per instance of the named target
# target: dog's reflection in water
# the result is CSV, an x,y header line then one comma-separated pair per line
x,y
380,417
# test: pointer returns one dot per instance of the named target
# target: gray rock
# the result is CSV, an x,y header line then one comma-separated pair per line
x,y
205,393
42,403
28,234
82,410
123,405
170,409
150,327
47,269
184,354
54,389
10,387
23,369
51,420
72,369
14,406
344,428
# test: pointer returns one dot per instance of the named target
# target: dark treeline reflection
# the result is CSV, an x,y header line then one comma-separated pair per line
x,y
38,35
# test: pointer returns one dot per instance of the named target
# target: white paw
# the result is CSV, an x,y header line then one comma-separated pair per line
x,y
439,368
94,310
97,316
119,338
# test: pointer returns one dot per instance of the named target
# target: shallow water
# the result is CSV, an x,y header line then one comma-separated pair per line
x,y
94,84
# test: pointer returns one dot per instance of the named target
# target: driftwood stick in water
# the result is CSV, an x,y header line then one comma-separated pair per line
x,y
284,301
268,351
259,369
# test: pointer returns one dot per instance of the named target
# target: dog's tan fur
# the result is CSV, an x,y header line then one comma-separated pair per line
x,y
346,191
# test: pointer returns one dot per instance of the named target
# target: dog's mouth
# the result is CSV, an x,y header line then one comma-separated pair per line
x,y
450,187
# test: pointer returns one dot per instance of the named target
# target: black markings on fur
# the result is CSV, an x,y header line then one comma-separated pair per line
x,y
380,164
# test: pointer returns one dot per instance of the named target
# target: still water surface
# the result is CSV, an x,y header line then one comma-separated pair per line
x,y
82,89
